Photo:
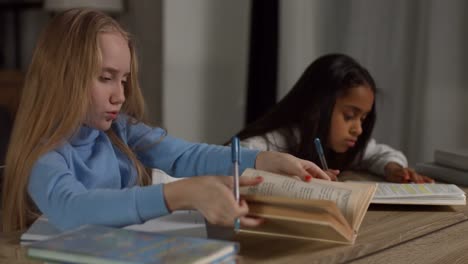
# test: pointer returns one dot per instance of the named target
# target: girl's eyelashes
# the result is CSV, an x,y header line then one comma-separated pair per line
x,y
348,116
107,79
351,116
104,78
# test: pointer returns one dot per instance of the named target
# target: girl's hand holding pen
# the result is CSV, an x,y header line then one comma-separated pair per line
x,y
212,197
396,173
333,174
287,164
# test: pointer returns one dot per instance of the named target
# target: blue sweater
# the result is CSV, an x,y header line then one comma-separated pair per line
x,y
89,181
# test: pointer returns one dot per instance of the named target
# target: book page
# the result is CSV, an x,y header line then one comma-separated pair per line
x,y
345,195
41,229
185,222
413,190
421,194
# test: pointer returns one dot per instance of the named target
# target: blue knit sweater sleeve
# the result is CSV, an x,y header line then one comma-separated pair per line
x,y
68,203
179,158
84,183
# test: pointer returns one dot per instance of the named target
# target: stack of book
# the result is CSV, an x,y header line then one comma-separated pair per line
x,y
182,223
449,166
101,245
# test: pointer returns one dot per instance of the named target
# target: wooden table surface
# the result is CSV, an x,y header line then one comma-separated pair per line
x,y
388,234
385,229
11,251
448,245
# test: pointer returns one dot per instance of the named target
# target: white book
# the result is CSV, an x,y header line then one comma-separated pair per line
x,y
41,229
417,193
455,158
180,223
442,173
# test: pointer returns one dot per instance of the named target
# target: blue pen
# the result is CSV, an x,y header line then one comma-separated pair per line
x,y
235,152
318,147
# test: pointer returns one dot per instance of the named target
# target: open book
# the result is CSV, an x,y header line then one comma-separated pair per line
x,y
319,210
419,193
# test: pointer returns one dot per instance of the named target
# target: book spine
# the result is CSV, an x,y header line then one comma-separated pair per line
x,y
445,174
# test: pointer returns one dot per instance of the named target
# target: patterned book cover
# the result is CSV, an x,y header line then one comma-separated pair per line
x,y
99,244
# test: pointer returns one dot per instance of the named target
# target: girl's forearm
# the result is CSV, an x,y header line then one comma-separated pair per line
x,y
177,194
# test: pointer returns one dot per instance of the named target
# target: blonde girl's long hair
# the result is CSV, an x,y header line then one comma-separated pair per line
x,y
54,102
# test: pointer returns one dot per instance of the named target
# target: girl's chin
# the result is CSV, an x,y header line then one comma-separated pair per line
x,y
341,149
100,124
104,126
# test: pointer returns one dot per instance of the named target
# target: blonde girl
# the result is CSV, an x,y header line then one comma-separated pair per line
x,y
80,145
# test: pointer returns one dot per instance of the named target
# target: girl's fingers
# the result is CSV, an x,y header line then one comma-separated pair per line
x,y
418,178
243,181
399,178
407,175
333,174
423,178
393,178
243,208
428,180
415,178
315,172
400,175
249,221
249,181
287,164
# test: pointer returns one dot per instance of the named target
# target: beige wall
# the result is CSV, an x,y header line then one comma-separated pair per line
x,y
205,52
143,19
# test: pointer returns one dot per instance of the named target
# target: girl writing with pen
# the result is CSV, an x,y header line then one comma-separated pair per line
x,y
334,101
80,145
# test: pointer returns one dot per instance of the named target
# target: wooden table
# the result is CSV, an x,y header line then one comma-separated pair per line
x,y
447,245
388,234
11,251
384,227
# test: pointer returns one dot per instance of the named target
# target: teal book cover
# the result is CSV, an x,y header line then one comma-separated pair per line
x,y
101,245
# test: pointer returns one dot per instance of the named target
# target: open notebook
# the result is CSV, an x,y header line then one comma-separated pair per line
x,y
422,193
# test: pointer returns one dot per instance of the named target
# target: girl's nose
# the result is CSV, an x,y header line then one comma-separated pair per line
x,y
356,130
118,97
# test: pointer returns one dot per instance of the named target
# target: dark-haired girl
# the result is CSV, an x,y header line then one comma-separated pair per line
x,y
333,100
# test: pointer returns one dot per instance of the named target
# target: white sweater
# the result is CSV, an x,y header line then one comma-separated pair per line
x,y
376,156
